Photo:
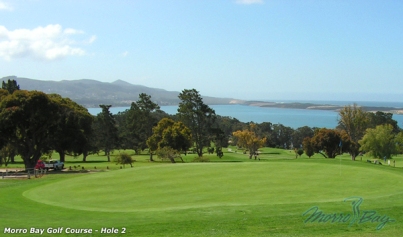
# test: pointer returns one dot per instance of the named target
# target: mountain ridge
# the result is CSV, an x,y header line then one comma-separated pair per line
x,y
92,93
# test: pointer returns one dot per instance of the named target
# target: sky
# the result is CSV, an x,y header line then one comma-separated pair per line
x,y
348,50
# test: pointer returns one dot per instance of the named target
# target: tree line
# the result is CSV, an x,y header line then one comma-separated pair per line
x,y
33,124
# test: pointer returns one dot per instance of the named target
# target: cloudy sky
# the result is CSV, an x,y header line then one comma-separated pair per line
x,y
245,49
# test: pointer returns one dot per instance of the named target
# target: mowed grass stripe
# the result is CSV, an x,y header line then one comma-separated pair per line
x,y
184,186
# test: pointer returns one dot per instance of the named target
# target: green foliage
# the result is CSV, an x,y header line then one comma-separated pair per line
x,y
308,147
210,150
47,155
3,93
300,152
249,140
106,130
381,118
354,121
7,154
299,134
139,122
169,153
220,140
219,152
281,136
197,116
169,133
328,141
124,159
28,120
381,142
10,86
74,128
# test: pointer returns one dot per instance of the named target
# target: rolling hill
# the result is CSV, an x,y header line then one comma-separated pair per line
x,y
91,93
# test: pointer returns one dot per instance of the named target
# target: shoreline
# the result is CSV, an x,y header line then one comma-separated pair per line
x,y
311,106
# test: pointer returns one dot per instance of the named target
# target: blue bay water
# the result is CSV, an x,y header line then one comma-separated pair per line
x,y
293,118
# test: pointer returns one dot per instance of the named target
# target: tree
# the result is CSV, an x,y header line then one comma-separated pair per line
x,y
197,116
348,145
169,153
282,136
229,124
248,139
328,141
381,142
169,134
3,94
298,152
380,118
7,154
308,147
140,121
220,140
106,130
265,129
4,157
10,86
124,159
299,134
73,130
28,121
354,120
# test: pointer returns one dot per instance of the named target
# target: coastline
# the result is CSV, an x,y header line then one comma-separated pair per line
x,y
312,106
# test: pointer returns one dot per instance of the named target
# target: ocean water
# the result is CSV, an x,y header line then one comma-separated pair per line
x,y
293,118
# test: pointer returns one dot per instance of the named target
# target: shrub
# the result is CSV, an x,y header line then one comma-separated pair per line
x,y
124,158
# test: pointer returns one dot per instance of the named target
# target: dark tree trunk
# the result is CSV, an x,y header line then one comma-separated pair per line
x,y
200,151
108,154
151,156
62,156
29,163
172,159
85,154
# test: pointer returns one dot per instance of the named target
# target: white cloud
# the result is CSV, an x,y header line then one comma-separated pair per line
x,y
70,31
248,2
124,54
5,6
92,39
46,43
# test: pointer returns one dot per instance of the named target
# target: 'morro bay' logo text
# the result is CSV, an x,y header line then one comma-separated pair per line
x,y
357,216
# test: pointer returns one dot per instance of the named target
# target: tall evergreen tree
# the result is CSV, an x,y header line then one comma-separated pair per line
x,y
106,130
10,86
140,120
197,116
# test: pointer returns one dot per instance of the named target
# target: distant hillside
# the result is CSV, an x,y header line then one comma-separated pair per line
x,y
91,93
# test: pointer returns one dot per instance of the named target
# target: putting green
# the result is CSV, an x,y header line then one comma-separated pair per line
x,y
197,185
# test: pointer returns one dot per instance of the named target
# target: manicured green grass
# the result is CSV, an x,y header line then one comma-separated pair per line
x,y
231,196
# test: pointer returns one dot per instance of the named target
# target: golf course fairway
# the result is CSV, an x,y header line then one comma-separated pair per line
x,y
236,197
201,185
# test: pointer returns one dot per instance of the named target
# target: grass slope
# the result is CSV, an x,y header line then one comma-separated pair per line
x,y
182,186
233,197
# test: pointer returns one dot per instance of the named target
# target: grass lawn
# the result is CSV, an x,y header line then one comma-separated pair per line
x,y
232,196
